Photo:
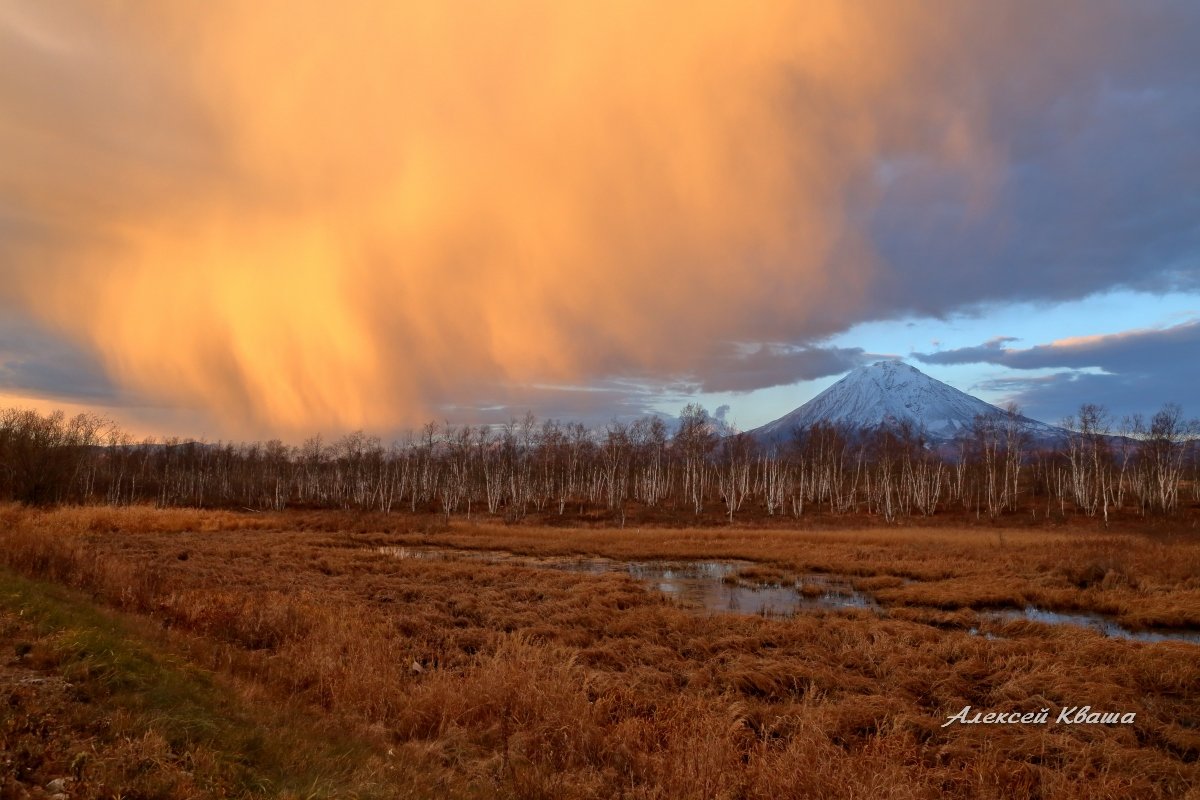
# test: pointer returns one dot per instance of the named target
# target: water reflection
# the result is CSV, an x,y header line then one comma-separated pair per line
x,y
1097,622
712,585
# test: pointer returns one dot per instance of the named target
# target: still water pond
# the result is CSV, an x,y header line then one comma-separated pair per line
x,y
711,585
716,587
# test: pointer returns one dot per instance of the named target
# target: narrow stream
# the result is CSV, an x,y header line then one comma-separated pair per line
x,y
1097,622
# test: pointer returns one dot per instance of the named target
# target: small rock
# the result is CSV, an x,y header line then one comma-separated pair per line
x,y
416,667
58,786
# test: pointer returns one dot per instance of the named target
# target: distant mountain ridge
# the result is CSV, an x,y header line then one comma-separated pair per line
x,y
888,393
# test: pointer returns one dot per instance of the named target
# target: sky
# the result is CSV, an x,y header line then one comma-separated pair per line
x,y
250,220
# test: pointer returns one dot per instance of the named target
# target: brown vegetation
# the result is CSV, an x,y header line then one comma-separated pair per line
x,y
509,680
97,705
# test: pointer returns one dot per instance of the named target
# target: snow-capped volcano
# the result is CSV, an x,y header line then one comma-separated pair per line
x,y
889,393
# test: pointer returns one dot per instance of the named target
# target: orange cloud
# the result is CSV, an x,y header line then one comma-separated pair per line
x,y
296,216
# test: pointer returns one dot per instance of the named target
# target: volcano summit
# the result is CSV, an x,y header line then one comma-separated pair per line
x,y
890,393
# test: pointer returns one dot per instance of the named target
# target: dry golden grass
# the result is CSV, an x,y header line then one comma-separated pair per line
x,y
96,705
513,681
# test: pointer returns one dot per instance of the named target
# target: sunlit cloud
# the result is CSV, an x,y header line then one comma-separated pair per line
x,y
295,217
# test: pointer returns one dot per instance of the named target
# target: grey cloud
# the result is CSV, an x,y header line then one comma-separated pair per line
x,y
777,365
1142,369
1097,183
1138,352
986,352
1052,397
594,406
38,364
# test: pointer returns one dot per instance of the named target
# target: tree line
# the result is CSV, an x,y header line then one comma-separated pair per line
x,y
553,468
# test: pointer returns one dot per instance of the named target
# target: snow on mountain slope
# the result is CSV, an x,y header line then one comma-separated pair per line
x,y
889,393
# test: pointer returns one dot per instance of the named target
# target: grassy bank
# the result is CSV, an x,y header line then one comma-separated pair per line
x,y
512,681
104,704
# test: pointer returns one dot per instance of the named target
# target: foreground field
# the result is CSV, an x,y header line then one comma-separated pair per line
x,y
466,678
